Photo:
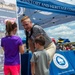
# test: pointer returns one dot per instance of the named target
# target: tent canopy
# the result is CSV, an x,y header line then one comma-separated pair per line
x,y
47,12
48,5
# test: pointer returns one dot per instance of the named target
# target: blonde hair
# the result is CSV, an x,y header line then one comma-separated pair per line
x,y
25,18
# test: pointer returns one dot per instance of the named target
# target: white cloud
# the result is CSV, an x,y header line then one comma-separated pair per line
x,y
10,1
61,31
71,24
68,1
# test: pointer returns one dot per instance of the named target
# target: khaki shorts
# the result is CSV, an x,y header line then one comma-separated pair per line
x,y
51,49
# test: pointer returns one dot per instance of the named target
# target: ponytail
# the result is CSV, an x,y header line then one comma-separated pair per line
x,y
10,26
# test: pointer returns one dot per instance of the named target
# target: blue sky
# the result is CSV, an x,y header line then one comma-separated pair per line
x,y
66,30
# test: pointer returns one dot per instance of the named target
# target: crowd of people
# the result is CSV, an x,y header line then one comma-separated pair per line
x,y
63,47
37,40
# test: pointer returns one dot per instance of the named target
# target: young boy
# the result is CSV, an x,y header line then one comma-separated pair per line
x,y
40,60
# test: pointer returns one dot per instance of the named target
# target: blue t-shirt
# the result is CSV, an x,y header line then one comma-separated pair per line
x,y
11,49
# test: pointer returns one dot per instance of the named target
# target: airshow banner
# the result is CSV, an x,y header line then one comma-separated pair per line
x,y
63,63
50,6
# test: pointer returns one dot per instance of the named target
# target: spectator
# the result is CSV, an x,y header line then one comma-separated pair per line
x,y
11,45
